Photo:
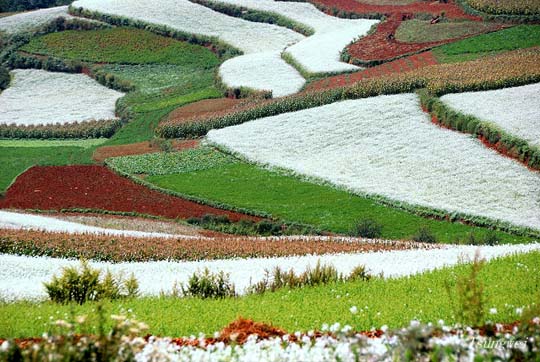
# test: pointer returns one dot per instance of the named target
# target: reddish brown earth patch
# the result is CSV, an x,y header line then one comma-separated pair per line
x,y
102,153
96,187
202,108
450,9
401,65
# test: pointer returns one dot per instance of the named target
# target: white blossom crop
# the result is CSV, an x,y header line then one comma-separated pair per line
x,y
515,110
21,277
387,146
32,19
320,52
41,97
14,220
262,71
251,38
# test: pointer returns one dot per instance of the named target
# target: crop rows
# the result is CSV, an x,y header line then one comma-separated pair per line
x,y
515,110
509,69
97,188
140,248
522,7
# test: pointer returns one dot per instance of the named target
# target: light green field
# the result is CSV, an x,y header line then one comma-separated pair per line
x,y
508,283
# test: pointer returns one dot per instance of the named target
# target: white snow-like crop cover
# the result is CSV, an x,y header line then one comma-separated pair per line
x,y
320,52
22,277
14,220
32,19
41,97
515,110
387,146
261,67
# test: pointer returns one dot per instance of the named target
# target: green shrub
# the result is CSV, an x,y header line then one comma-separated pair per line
x,y
424,235
5,78
320,275
367,228
83,284
360,273
491,238
208,285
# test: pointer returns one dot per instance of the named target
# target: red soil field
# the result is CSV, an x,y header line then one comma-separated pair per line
x,y
397,66
96,187
378,46
450,9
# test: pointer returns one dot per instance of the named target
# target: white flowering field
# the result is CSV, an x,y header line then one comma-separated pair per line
x,y
41,97
21,277
261,67
515,110
282,80
32,19
320,52
387,146
14,220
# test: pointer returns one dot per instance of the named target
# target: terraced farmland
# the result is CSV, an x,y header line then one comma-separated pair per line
x,y
333,180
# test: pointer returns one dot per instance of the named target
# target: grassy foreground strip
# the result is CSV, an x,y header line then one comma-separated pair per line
x,y
505,70
291,199
509,283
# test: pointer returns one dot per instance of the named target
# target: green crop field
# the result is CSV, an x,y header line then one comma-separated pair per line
x,y
14,160
420,31
517,37
291,199
509,283
120,45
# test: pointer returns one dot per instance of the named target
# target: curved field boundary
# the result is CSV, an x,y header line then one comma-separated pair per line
x,y
351,8
394,67
382,46
96,187
464,4
492,136
508,69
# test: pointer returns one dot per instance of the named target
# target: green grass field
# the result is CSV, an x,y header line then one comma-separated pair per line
x,y
508,283
517,37
288,198
15,160
420,31
120,45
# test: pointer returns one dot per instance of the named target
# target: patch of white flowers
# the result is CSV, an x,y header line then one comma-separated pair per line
x,y
258,41
418,341
22,277
515,110
387,146
41,97
262,67
32,19
13,220
320,52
